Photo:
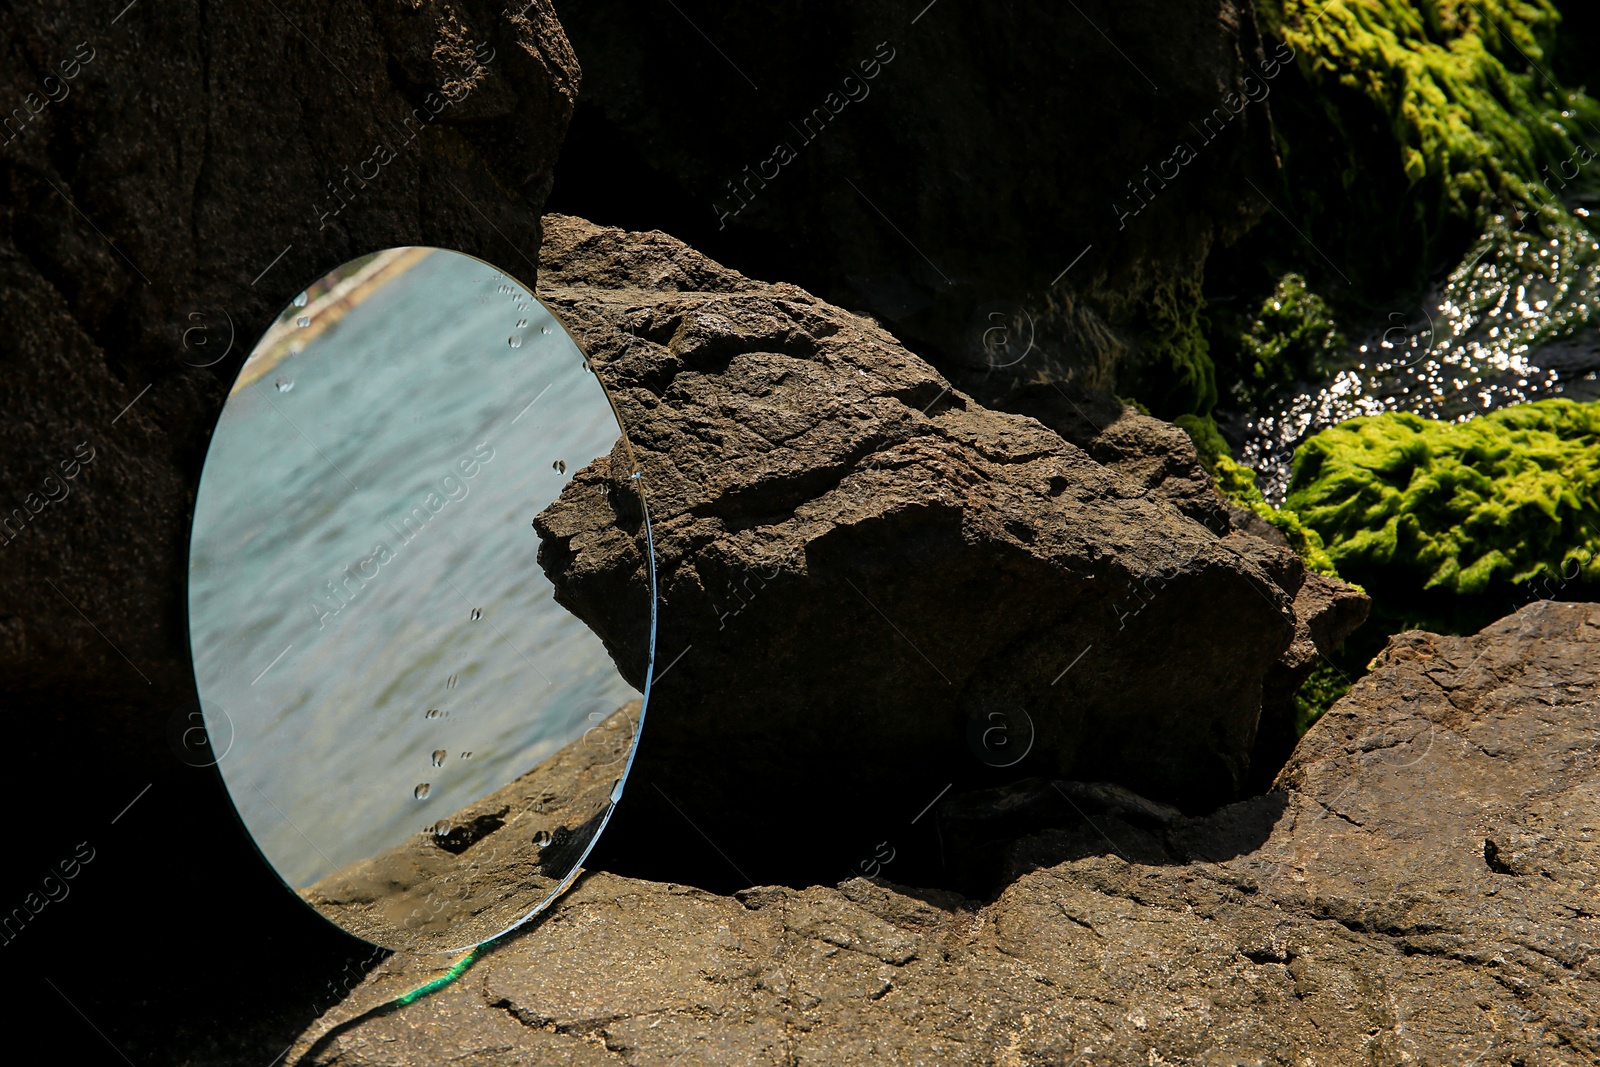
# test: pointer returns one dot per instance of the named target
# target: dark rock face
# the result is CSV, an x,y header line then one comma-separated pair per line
x,y
1161,458
1326,612
144,229
941,170
857,563
164,181
1421,890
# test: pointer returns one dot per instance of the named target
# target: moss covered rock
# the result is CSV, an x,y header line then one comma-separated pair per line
x,y
1238,483
1291,338
1458,81
1500,498
1405,130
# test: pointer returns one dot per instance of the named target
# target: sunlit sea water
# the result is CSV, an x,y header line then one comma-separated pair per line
x,y
1516,321
444,668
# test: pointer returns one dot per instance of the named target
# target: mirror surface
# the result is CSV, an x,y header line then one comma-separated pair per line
x,y
422,742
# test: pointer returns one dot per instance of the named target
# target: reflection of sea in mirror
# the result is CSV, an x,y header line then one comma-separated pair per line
x,y
364,593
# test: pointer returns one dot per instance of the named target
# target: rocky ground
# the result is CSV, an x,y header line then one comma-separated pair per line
x,y
1419,888
1415,887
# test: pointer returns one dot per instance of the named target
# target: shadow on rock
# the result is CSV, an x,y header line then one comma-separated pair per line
x,y
993,837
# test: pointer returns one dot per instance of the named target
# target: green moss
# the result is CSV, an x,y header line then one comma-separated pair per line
x,y
1501,498
1291,339
1317,694
1469,111
1404,126
1175,375
1238,483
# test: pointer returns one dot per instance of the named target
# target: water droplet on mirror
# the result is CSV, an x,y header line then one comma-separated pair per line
x,y
300,301
440,828
466,755
521,323
476,614
303,321
559,466
421,792
450,682
545,330
514,341
283,385
541,839
433,713
439,756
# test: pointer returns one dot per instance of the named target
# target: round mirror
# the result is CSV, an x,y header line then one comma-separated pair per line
x,y
422,742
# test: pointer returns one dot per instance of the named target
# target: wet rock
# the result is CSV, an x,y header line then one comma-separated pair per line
x,y
857,561
1356,914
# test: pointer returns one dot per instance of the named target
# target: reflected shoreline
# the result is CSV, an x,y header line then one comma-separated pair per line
x,y
466,879
285,339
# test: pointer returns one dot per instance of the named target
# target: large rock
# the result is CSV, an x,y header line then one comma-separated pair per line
x,y
1161,458
1419,890
944,168
164,183
861,567
144,233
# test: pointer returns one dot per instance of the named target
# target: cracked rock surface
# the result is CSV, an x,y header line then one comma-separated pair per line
x,y
857,562
1421,890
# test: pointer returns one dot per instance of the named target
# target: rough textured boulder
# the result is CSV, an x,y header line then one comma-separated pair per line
x,y
943,168
861,567
1420,889
1161,458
